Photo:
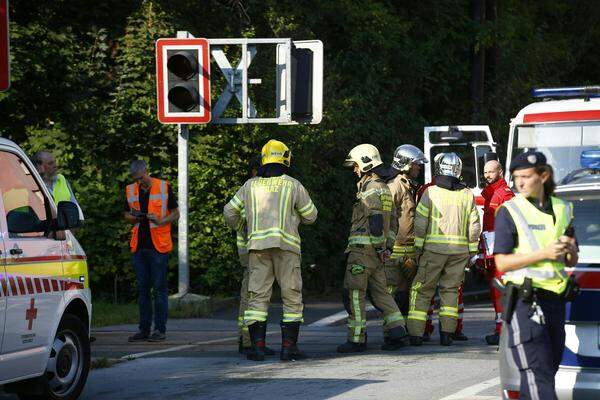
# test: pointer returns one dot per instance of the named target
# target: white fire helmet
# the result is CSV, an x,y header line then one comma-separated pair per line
x,y
366,156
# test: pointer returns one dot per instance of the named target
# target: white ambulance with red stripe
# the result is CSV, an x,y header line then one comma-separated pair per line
x,y
45,301
565,126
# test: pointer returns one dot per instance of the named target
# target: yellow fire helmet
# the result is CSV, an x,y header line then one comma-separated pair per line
x,y
276,152
366,156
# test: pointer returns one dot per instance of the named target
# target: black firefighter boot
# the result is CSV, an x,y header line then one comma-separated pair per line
x,y
258,332
289,342
446,338
395,339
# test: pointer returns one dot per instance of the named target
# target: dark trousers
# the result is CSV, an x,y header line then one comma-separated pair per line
x,y
151,273
537,349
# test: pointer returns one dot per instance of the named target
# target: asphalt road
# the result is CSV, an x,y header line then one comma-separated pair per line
x,y
200,361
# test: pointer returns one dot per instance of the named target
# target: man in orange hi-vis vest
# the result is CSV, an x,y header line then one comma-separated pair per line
x,y
151,208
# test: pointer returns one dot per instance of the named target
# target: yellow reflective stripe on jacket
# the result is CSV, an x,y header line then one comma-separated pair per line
x,y
423,210
419,242
236,203
450,239
473,247
276,232
384,194
306,210
367,240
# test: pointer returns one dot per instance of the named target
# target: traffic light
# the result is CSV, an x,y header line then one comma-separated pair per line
x,y
183,81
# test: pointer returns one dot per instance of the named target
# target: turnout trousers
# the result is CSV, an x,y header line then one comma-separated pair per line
x,y
367,272
446,271
537,349
243,328
264,267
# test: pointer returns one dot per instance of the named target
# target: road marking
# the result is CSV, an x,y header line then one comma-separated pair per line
x,y
470,391
134,356
332,319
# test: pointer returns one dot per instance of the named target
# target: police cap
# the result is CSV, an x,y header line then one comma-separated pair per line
x,y
528,159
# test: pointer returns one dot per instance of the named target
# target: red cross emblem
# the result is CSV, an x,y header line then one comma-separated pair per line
x,y
31,314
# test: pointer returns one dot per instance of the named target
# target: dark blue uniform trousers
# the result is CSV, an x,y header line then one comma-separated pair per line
x,y
537,349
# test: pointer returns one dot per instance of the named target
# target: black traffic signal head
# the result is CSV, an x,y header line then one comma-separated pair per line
x,y
183,81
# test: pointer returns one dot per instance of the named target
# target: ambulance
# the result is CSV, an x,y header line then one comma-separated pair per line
x,y
474,145
565,126
45,300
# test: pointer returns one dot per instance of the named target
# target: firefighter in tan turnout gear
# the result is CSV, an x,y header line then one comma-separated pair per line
x,y
400,270
270,207
245,345
369,246
447,231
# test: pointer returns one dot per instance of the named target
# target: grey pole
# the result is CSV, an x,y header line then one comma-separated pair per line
x,y
182,185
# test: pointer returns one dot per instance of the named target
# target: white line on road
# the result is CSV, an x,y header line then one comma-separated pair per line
x,y
470,391
134,356
332,319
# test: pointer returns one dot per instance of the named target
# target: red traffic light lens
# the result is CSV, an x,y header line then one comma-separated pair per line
x,y
183,64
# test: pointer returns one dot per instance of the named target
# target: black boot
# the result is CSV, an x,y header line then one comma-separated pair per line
x,y
243,349
258,332
351,347
446,338
493,339
289,342
459,337
415,340
395,339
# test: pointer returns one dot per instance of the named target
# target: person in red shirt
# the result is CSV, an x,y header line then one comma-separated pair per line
x,y
495,193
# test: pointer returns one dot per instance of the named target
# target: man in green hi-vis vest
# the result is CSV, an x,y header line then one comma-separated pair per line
x,y
56,183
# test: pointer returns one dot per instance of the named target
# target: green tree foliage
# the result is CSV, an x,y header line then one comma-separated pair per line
x,y
83,86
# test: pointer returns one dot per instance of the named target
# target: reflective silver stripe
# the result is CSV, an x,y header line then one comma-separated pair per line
x,y
164,194
131,197
523,358
529,273
522,222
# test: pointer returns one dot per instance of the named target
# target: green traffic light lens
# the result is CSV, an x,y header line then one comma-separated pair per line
x,y
183,64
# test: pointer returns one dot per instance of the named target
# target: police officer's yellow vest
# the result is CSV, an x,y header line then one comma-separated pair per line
x,y
537,230
60,191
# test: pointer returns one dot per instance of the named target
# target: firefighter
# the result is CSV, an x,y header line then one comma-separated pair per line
x,y
244,344
401,268
271,206
458,333
534,242
447,230
495,193
369,246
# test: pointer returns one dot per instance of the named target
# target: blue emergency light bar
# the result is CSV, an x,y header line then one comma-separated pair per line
x,y
590,159
582,91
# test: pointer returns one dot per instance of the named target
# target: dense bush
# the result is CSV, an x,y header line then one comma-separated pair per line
x,y
83,86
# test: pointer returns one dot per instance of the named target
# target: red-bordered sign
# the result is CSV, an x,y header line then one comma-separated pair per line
x,y
4,47
202,48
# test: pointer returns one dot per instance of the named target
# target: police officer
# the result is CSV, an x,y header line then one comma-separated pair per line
x,y
402,267
271,206
369,246
533,244
447,230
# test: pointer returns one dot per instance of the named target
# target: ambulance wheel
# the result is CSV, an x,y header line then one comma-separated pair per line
x,y
69,362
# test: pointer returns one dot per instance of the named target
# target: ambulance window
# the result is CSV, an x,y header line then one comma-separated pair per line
x,y
22,198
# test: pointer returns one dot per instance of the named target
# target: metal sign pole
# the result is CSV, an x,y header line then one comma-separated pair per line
x,y
182,185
